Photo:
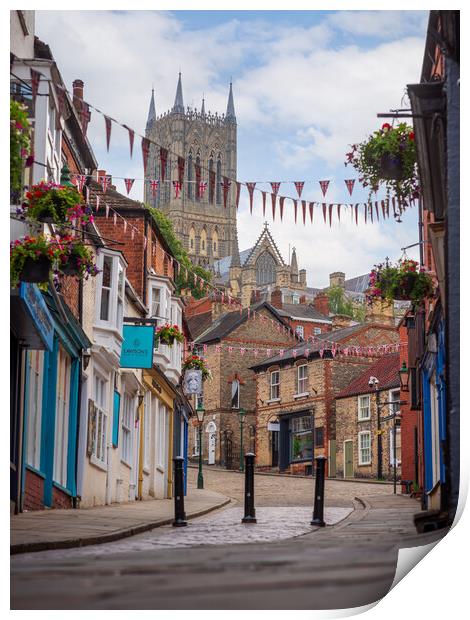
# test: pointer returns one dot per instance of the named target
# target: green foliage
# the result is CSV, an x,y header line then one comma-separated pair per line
x,y
167,334
403,281
368,156
184,279
33,248
341,304
48,201
19,143
197,363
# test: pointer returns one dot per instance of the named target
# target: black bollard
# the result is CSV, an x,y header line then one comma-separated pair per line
x,y
319,499
249,489
180,515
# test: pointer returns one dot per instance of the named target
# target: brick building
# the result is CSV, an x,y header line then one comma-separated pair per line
x,y
306,319
296,393
364,437
230,344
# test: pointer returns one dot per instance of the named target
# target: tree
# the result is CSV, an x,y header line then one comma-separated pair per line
x,y
341,304
182,280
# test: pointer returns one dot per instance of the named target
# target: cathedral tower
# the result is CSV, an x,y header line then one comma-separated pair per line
x,y
206,229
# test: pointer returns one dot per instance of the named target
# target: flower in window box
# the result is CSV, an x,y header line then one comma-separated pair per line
x,y
167,334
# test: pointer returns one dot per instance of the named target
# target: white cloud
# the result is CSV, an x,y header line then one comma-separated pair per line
x,y
380,24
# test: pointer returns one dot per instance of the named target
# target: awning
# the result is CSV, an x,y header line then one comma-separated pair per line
x,y
30,317
70,331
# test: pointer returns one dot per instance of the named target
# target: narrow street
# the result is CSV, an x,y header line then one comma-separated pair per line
x,y
217,563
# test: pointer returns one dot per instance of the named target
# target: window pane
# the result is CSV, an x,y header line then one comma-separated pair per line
x,y
104,310
107,271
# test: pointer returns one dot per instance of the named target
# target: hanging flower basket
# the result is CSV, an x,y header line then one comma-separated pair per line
x,y
388,158
196,362
58,204
405,281
75,258
31,259
167,334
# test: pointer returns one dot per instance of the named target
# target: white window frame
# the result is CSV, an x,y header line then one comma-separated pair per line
x,y
237,383
394,396
156,308
148,409
62,411
360,448
360,407
390,443
316,331
302,382
161,437
196,442
116,291
299,330
100,444
127,428
35,362
274,394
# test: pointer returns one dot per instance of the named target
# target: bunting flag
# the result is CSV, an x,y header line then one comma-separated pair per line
x,y
97,203
310,208
324,186
356,208
202,185
114,219
281,206
211,186
275,185
87,195
225,189
107,122
237,197
299,186
339,212
304,210
104,181
145,152
264,202
181,163
377,209
35,77
330,211
365,212
177,186
324,211
107,209
295,210
131,133
273,203
85,115
154,186
163,162
382,202
251,188
129,183
125,225
350,185
79,180
197,170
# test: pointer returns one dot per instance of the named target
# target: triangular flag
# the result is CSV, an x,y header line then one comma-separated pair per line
x,y
299,186
145,152
350,185
163,160
97,203
295,209
324,186
237,197
281,206
154,186
104,180
181,163
129,183
225,189
275,185
81,179
324,211
330,211
304,210
107,209
177,186
264,202
202,188
273,203
251,188
356,208
107,122
310,208
339,212
131,138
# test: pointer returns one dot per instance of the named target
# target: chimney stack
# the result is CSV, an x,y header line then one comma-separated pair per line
x,y
82,109
321,303
276,298
337,278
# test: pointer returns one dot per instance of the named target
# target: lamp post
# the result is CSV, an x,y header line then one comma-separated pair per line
x,y
374,383
200,418
241,416
404,374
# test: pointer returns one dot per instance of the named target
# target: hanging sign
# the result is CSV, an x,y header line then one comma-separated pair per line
x,y
137,347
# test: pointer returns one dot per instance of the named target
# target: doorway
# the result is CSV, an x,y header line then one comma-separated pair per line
x,y
348,459
274,448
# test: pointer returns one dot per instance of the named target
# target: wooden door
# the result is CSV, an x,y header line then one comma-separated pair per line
x,y
348,459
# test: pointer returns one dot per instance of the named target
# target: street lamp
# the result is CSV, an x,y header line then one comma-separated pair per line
x,y
200,418
374,383
241,416
404,375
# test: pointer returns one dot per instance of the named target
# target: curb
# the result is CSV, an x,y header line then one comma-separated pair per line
x,y
70,543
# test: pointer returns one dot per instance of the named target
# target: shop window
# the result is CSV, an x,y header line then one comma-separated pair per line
x,y
61,434
35,364
301,438
100,395
127,426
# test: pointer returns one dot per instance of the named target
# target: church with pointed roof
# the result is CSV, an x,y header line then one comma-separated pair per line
x,y
208,143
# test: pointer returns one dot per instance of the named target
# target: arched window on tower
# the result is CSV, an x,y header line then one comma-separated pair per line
x,y
167,190
192,240
190,177
215,243
203,248
196,189
218,181
211,190
265,269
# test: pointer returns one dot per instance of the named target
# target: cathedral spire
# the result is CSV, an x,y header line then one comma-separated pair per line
x,y
230,114
178,106
203,107
152,114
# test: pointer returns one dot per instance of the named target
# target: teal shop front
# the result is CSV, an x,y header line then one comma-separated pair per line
x,y
51,405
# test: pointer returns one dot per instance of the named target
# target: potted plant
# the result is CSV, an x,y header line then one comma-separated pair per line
x,y
388,157
167,334
20,129
75,258
403,281
51,203
31,259
194,361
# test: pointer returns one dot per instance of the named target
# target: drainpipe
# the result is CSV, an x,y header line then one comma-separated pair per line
x,y
140,479
75,500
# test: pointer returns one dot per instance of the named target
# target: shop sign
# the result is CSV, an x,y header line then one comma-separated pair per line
x,y
39,312
137,347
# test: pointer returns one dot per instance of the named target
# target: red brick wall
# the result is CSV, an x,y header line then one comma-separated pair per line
x,y
33,491
309,327
60,499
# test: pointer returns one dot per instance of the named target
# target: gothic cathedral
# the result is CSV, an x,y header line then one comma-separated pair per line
x,y
208,144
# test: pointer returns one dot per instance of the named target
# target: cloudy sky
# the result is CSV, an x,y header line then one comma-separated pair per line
x,y
306,85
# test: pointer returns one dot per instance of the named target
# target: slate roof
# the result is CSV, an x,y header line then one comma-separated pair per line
x,y
223,265
229,321
302,311
199,323
385,369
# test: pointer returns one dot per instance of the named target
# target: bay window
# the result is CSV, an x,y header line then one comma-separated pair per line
x,y
110,289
